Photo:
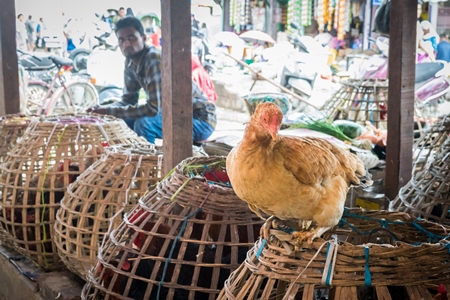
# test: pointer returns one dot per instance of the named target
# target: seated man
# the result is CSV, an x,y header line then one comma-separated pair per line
x,y
143,70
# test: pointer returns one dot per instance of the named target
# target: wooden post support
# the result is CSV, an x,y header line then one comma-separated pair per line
x,y
226,15
9,73
176,81
402,62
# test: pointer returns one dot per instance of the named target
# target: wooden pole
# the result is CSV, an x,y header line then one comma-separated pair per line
x,y
402,59
176,81
226,15
9,73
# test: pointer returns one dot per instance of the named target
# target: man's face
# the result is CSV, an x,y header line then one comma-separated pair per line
x,y
121,13
131,42
419,10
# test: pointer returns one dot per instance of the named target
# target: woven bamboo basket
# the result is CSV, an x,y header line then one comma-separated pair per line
x,y
281,99
112,185
360,101
35,174
12,127
180,242
427,194
368,255
430,142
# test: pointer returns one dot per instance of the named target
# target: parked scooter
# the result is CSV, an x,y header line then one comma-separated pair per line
x,y
303,66
431,82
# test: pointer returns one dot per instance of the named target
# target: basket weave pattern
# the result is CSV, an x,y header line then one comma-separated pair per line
x,y
360,101
12,127
35,174
112,185
427,194
368,248
430,142
201,225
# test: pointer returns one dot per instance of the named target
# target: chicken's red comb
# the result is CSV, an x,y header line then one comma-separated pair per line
x,y
442,289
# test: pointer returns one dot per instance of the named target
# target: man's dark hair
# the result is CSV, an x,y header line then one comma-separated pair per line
x,y
130,22
443,36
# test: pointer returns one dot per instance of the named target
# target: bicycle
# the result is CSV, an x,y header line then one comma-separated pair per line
x,y
59,96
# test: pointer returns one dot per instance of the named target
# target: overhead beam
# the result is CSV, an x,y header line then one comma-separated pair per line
x,y
402,61
176,81
9,73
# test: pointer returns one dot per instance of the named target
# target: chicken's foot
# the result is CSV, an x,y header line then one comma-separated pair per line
x,y
310,235
288,226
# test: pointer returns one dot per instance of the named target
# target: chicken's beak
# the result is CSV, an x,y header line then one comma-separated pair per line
x,y
273,132
273,135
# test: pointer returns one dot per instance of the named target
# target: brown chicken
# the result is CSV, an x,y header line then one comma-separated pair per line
x,y
302,179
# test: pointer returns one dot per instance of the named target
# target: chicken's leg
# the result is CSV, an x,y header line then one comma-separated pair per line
x,y
310,235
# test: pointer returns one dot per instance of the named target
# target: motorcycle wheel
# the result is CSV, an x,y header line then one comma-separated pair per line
x,y
79,57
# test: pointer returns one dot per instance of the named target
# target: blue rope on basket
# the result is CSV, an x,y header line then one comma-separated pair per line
x,y
263,243
177,238
367,275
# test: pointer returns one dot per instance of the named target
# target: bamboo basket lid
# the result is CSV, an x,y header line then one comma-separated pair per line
x,y
95,202
368,255
181,241
360,101
427,194
51,154
430,142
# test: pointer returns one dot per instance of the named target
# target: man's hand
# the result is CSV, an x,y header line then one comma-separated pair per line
x,y
97,109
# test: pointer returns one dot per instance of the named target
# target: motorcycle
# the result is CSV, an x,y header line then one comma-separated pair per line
x,y
431,83
105,65
303,65
103,38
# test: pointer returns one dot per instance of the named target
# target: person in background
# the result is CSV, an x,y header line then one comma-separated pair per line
x,y
29,25
443,48
202,79
430,36
194,22
204,31
143,70
39,34
21,34
120,15
156,37
424,53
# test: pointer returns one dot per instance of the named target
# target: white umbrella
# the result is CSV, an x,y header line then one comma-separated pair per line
x,y
257,35
227,38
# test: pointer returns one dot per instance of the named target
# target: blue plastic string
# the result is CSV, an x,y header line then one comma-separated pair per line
x,y
263,243
431,236
367,275
327,281
177,238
